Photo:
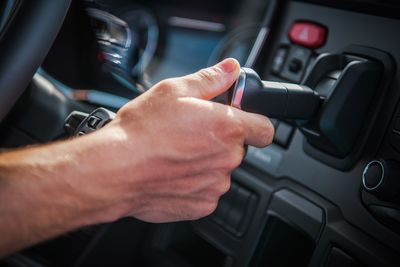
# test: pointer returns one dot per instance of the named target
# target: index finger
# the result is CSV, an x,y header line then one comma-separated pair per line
x,y
258,129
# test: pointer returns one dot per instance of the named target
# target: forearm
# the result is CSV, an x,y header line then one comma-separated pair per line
x,y
166,157
40,197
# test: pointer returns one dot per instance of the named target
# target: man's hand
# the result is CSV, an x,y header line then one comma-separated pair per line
x,y
177,149
167,156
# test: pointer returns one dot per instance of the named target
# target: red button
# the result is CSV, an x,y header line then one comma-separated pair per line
x,y
308,34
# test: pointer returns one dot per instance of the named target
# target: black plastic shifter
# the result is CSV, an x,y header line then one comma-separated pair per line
x,y
274,99
332,108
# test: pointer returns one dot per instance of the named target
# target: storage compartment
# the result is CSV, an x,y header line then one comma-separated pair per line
x,y
282,244
183,248
289,238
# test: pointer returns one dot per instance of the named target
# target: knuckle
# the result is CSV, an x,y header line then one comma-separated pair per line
x,y
166,87
230,128
208,74
126,113
265,132
269,133
235,159
123,112
237,129
225,186
207,78
209,208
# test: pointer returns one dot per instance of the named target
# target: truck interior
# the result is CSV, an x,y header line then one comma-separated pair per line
x,y
325,193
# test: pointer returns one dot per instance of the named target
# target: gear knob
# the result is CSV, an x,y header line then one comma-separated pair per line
x,y
274,99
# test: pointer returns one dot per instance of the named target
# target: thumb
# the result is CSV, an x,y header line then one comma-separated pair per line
x,y
213,81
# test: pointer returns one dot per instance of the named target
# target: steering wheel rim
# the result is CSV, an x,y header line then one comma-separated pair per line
x,y
24,44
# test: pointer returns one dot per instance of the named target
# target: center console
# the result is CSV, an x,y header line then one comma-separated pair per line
x,y
326,192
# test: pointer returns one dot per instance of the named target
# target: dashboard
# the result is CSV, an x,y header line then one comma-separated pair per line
x,y
325,193
145,42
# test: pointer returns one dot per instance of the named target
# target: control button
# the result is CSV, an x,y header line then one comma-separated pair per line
x,y
93,122
296,63
380,177
308,34
373,175
283,134
279,60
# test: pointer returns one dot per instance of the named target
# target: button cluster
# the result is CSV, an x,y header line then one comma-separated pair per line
x,y
291,61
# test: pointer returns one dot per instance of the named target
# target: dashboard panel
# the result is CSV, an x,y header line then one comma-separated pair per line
x,y
302,189
181,38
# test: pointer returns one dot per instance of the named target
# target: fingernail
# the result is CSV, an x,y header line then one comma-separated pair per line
x,y
228,65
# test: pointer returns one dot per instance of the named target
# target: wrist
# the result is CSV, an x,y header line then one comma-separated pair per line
x,y
99,177
38,200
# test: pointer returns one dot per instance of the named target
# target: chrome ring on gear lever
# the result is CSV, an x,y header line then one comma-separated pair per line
x,y
274,99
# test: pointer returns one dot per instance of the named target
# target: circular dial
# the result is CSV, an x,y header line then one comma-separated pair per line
x,y
382,178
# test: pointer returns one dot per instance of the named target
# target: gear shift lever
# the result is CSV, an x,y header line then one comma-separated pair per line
x,y
334,115
277,100
274,99
331,118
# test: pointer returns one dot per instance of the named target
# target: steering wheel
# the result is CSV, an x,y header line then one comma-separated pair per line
x,y
28,33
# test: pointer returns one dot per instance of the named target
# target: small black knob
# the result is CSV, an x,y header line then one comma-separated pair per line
x,y
382,178
296,65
